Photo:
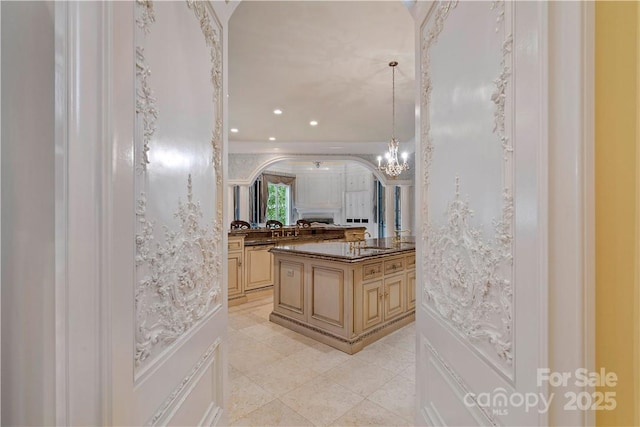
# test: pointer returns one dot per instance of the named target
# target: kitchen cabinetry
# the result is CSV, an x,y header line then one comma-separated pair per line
x,y
235,270
358,197
383,299
341,296
319,190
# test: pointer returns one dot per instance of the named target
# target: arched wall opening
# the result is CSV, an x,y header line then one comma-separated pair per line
x,y
344,190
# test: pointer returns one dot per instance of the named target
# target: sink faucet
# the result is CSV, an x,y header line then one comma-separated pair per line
x,y
398,237
366,233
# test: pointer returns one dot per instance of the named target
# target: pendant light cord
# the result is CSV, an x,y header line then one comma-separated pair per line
x,y
393,99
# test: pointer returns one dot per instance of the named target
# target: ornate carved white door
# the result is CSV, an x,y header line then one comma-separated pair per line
x,y
168,290
481,311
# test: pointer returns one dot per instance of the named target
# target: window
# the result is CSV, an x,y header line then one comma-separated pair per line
x,y
278,202
396,207
272,197
380,211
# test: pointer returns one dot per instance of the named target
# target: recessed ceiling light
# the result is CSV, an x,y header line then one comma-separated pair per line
x,y
234,130
277,111
313,123
272,138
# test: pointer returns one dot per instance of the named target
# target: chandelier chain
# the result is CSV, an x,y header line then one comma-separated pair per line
x,y
393,101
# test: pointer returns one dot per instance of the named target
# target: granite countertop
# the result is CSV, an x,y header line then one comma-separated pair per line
x,y
286,240
347,251
264,236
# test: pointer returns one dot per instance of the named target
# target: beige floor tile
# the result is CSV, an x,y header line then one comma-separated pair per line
x,y
320,357
321,401
287,345
359,377
263,312
282,376
316,384
252,356
398,395
241,321
301,338
401,341
367,413
263,331
387,357
246,396
234,373
238,339
410,372
274,413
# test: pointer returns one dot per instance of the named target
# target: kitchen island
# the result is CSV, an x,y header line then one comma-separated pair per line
x,y
345,294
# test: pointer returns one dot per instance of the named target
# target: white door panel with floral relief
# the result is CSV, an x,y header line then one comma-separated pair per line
x,y
168,337
481,284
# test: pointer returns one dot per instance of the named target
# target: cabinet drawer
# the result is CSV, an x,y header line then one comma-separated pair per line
x,y
394,266
234,245
411,261
371,270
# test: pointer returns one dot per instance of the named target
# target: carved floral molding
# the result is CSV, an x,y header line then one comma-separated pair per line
x,y
467,276
183,275
145,101
145,107
464,277
146,16
213,41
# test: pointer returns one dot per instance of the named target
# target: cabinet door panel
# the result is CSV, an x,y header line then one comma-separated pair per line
x,y
234,283
394,295
259,267
291,286
411,289
327,298
372,294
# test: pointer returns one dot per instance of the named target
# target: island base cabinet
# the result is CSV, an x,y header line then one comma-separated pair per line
x,y
329,300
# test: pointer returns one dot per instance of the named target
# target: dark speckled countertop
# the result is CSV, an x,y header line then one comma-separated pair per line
x,y
282,236
349,251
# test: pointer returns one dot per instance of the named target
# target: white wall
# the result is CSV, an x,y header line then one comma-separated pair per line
x,y
28,252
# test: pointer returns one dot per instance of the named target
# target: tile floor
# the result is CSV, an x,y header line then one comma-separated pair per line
x,y
281,378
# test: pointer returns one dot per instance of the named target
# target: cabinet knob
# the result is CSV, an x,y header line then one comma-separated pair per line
x,y
373,272
239,263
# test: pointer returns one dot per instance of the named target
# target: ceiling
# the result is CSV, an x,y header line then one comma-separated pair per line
x,y
325,61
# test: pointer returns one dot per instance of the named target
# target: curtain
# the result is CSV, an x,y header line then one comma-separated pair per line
x,y
276,179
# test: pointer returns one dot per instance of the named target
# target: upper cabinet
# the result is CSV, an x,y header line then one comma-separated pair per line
x,y
319,189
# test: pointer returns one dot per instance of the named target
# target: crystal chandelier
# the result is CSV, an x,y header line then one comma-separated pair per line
x,y
392,166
